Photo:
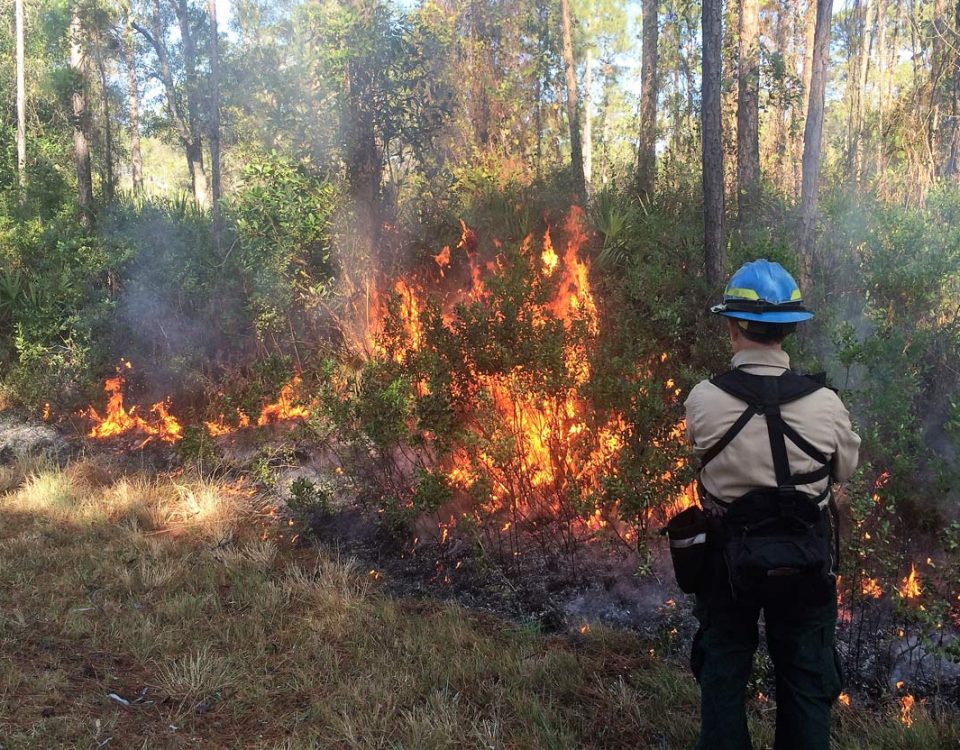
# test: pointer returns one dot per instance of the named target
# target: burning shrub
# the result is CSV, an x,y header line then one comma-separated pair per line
x,y
477,402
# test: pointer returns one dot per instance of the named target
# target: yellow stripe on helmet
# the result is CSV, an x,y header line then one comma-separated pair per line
x,y
796,295
741,293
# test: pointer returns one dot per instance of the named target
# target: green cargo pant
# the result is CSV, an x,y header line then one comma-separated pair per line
x,y
808,676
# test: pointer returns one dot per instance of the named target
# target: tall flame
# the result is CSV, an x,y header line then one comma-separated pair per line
x,y
911,588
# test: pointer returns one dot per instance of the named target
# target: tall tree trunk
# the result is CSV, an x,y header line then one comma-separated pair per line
x,y
133,105
647,147
809,28
573,101
713,243
21,108
214,122
813,134
81,146
777,151
201,187
748,110
953,163
857,86
107,178
192,149
588,123
608,83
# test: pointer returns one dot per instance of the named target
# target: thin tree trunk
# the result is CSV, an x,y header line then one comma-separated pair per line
x,y
133,104
81,146
192,150
647,148
953,164
108,176
21,107
588,123
573,103
608,82
809,27
201,187
813,134
857,87
778,150
214,123
712,142
748,110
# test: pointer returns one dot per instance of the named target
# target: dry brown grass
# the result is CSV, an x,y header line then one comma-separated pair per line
x,y
178,595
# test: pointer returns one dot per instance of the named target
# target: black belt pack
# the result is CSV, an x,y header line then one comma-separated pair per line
x,y
777,548
687,532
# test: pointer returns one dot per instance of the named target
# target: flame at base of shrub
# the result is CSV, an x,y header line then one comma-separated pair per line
x,y
155,422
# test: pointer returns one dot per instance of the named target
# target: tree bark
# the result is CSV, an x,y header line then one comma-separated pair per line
x,y
858,81
133,105
588,123
748,109
107,175
21,107
712,30
573,101
809,29
647,147
813,134
215,123
81,146
953,164
201,186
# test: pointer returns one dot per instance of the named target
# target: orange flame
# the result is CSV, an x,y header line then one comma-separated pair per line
x,y
911,588
906,710
870,587
117,420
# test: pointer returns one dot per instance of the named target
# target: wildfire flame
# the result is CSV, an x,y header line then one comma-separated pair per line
x,y
156,421
557,446
910,588
870,587
906,710
117,420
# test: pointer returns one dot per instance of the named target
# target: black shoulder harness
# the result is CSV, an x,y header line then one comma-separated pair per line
x,y
765,394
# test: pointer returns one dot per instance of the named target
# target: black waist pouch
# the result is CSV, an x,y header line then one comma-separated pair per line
x,y
687,532
777,549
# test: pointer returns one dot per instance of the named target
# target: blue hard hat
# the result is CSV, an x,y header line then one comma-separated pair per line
x,y
763,291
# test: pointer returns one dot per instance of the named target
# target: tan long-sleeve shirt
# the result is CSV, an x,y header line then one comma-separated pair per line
x,y
747,462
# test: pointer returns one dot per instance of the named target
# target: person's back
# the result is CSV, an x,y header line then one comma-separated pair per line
x,y
771,443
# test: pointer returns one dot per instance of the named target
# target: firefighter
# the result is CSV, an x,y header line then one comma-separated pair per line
x,y
771,444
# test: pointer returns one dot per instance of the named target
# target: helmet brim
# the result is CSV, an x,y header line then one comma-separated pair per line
x,y
787,316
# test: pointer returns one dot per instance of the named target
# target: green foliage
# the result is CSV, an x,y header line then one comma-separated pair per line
x,y
308,498
282,218
196,446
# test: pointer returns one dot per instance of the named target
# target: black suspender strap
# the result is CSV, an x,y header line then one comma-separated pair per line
x,y
764,395
730,434
803,445
778,446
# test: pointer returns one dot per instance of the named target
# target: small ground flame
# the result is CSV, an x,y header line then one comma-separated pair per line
x,y
117,420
